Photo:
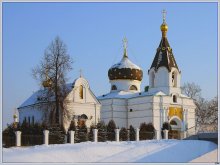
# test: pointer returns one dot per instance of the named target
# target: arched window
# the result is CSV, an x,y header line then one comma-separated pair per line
x,y
114,87
133,87
174,79
174,99
81,92
152,79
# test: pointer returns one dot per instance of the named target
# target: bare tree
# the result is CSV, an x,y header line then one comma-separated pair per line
x,y
192,90
206,111
52,72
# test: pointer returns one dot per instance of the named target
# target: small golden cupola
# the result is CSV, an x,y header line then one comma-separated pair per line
x,y
164,26
47,82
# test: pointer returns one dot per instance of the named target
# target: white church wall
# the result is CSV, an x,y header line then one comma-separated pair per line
x,y
136,122
140,100
92,111
161,77
30,112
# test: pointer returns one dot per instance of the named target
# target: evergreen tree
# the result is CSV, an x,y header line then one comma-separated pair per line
x,y
123,134
24,127
111,130
143,131
147,131
57,134
72,126
102,131
91,132
150,131
132,133
82,133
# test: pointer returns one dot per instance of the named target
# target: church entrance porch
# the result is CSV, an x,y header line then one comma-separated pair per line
x,y
175,132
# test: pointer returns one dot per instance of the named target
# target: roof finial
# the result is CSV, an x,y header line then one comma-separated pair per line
x,y
164,26
125,42
80,73
164,15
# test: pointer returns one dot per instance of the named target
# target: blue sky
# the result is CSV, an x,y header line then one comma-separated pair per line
x,y
93,33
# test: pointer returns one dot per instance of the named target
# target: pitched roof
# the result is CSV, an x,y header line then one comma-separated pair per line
x,y
164,56
39,96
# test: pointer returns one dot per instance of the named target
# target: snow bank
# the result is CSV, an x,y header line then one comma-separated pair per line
x,y
142,151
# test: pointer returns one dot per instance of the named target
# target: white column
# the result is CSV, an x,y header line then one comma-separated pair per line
x,y
71,134
161,118
184,121
158,134
117,135
164,115
183,135
137,134
46,137
165,134
95,135
18,138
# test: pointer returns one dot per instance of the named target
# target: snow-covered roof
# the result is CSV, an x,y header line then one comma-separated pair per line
x,y
38,97
129,94
125,63
184,96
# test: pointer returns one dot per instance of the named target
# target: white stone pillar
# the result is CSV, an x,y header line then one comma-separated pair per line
x,y
137,134
184,135
165,134
18,138
71,134
95,135
46,137
117,135
161,118
164,115
158,134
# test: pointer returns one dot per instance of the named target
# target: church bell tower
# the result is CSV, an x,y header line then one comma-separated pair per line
x,y
164,74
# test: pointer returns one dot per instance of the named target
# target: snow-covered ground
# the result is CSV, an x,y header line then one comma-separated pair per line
x,y
142,151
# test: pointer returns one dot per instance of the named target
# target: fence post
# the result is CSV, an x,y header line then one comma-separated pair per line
x,y
137,134
71,134
117,135
158,134
183,135
46,137
95,133
165,134
18,138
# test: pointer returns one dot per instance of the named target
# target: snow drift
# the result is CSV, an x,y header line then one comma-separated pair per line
x,y
142,151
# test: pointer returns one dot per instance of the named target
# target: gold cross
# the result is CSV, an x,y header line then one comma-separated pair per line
x,y
125,41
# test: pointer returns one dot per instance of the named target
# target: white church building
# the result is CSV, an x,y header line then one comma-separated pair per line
x,y
126,104
162,102
82,105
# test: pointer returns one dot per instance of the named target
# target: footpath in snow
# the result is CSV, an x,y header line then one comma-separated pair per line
x,y
142,151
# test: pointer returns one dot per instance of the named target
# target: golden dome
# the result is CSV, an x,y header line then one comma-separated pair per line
x,y
47,83
15,116
164,27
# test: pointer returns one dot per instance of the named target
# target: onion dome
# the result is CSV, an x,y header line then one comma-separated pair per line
x,y
125,69
47,83
164,55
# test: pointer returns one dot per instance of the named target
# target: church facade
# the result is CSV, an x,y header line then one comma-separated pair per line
x,y
81,104
162,101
